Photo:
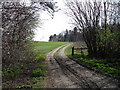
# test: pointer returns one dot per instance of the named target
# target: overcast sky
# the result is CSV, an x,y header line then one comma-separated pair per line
x,y
50,26
59,23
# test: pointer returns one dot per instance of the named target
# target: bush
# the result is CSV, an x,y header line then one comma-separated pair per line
x,y
108,44
10,73
38,73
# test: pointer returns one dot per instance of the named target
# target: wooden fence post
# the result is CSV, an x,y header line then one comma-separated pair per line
x,y
72,50
82,52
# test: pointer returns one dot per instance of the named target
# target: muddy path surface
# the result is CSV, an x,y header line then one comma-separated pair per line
x,y
66,73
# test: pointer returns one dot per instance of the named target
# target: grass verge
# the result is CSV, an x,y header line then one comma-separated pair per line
x,y
42,48
29,73
108,66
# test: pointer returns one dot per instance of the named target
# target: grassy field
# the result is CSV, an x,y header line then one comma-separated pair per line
x,y
108,66
42,48
30,73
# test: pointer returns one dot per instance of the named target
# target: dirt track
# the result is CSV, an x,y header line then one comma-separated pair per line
x,y
66,73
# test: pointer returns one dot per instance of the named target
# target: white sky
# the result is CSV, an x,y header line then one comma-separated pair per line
x,y
59,23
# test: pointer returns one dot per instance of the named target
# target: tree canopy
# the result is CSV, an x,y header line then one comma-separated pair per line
x,y
18,22
99,22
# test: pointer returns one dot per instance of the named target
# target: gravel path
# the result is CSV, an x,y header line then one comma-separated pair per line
x,y
66,73
56,76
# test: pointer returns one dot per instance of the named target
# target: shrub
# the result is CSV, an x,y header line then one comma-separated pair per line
x,y
10,73
38,73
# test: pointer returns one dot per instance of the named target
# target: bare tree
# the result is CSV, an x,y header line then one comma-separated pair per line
x,y
18,22
91,18
86,16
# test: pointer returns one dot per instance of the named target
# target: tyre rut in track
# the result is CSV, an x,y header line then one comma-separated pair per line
x,y
56,77
86,78
66,73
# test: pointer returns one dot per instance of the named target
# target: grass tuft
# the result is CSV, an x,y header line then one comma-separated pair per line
x,y
111,67
38,73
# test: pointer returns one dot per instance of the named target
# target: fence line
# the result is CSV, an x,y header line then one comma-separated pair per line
x,y
73,49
